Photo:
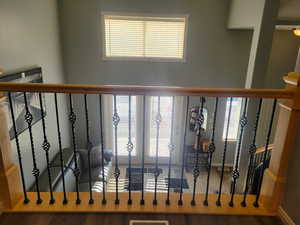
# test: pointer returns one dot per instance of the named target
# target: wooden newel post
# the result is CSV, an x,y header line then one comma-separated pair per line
x,y
10,188
287,130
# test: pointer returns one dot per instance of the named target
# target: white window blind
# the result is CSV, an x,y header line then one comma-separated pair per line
x,y
144,37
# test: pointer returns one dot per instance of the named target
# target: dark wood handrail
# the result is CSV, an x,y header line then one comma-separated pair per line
x,y
145,90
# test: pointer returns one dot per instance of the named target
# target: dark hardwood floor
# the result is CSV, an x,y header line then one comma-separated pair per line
x,y
123,219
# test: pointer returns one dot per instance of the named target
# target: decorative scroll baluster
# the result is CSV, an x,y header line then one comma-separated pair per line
x,y
235,172
196,170
211,150
252,150
35,171
89,147
158,120
142,202
116,120
46,147
265,154
26,200
171,148
65,201
129,149
102,150
218,202
76,171
180,202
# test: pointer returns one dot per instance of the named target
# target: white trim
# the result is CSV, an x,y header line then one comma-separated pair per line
x,y
227,166
142,58
284,217
107,106
132,222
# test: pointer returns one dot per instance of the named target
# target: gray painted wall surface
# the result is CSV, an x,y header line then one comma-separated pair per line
x,y
283,57
29,35
216,56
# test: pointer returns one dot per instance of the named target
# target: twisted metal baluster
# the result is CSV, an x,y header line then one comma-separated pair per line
x,y
252,150
26,200
89,147
142,202
102,150
116,120
65,201
171,148
218,202
35,171
211,150
158,120
129,149
236,172
46,147
196,170
180,202
265,154
76,171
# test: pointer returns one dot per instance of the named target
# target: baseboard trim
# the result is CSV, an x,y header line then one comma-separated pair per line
x,y
284,217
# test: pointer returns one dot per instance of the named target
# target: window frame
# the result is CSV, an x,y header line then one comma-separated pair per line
x,y
229,139
138,58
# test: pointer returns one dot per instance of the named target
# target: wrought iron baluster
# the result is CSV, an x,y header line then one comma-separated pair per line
x,y
196,170
65,201
35,171
89,147
142,202
158,120
76,171
46,147
129,149
26,200
180,202
252,150
218,202
235,172
211,150
171,148
116,120
265,154
102,150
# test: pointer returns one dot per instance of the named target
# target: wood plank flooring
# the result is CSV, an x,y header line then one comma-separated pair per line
x,y
123,219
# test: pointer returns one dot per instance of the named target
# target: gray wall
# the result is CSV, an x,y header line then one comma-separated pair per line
x,y
29,35
283,57
216,56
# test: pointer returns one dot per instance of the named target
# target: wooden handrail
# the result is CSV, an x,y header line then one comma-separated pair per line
x,y
145,90
262,149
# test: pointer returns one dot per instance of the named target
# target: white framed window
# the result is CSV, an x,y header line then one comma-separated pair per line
x,y
144,37
166,104
234,118
123,127
165,125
